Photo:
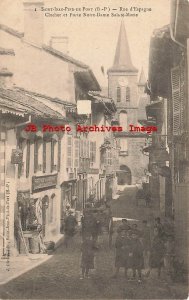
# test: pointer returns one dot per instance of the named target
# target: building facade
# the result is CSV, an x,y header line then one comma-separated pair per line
x,y
168,89
45,166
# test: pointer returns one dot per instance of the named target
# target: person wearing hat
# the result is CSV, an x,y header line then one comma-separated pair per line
x,y
121,257
124,226
69,227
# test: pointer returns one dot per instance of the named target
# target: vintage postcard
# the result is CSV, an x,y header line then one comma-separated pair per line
x,y
94,149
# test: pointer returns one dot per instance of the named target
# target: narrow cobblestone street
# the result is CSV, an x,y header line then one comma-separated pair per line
x,y
59,277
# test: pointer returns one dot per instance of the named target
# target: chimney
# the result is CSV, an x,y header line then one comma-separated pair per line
x,y
33,22
60,43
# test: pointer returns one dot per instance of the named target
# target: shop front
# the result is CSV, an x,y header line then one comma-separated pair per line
x,y
37,217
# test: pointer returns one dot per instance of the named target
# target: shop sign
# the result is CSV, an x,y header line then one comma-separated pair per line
x,y
43,182
93,171
16,156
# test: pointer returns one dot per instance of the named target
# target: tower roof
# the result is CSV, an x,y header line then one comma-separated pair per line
x,y
142,78
122,59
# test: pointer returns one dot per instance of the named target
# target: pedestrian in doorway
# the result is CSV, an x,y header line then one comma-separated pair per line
x,y
157,252
69,227
121,257
87,256
146,243
137,256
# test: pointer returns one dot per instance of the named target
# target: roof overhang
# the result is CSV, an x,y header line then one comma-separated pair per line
x,y
86,80
180,19
155,108
160,62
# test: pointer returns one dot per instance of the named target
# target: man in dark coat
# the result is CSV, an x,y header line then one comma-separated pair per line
x,y
124,226
121,258
146,242
69,227
137,256
157,252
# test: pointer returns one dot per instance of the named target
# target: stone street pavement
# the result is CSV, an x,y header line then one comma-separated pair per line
x,y
59,278
126,206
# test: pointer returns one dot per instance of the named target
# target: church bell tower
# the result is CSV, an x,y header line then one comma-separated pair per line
x,y
124,89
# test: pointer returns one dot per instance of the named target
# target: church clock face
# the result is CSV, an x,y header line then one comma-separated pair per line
x,y
123,81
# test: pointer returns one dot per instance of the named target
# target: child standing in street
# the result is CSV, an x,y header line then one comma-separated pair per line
x,y
87,256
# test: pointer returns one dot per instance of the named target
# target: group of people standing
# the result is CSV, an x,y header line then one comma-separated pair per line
x,y
140,249
135,248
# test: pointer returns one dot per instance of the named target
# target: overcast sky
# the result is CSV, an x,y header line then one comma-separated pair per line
x,y
93,40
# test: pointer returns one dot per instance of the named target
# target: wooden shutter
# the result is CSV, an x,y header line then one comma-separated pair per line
x,y
176,97
76,154
81,148
59,154
84,148
94,151
52,155
35,156
182,94
44,156
20,146
69,152
91,151
27,158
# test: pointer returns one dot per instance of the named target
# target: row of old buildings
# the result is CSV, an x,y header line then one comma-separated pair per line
x,y
168,149
44,171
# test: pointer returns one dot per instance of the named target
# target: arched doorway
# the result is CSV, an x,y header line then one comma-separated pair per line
x,y
124,175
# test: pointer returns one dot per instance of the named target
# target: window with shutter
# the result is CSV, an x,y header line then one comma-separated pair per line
x,y
76,154
20,145
88,146
59,154
81,148
85,148
27,158
176,98
92,152
44,157
182,88
69,152
35,156
52,155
